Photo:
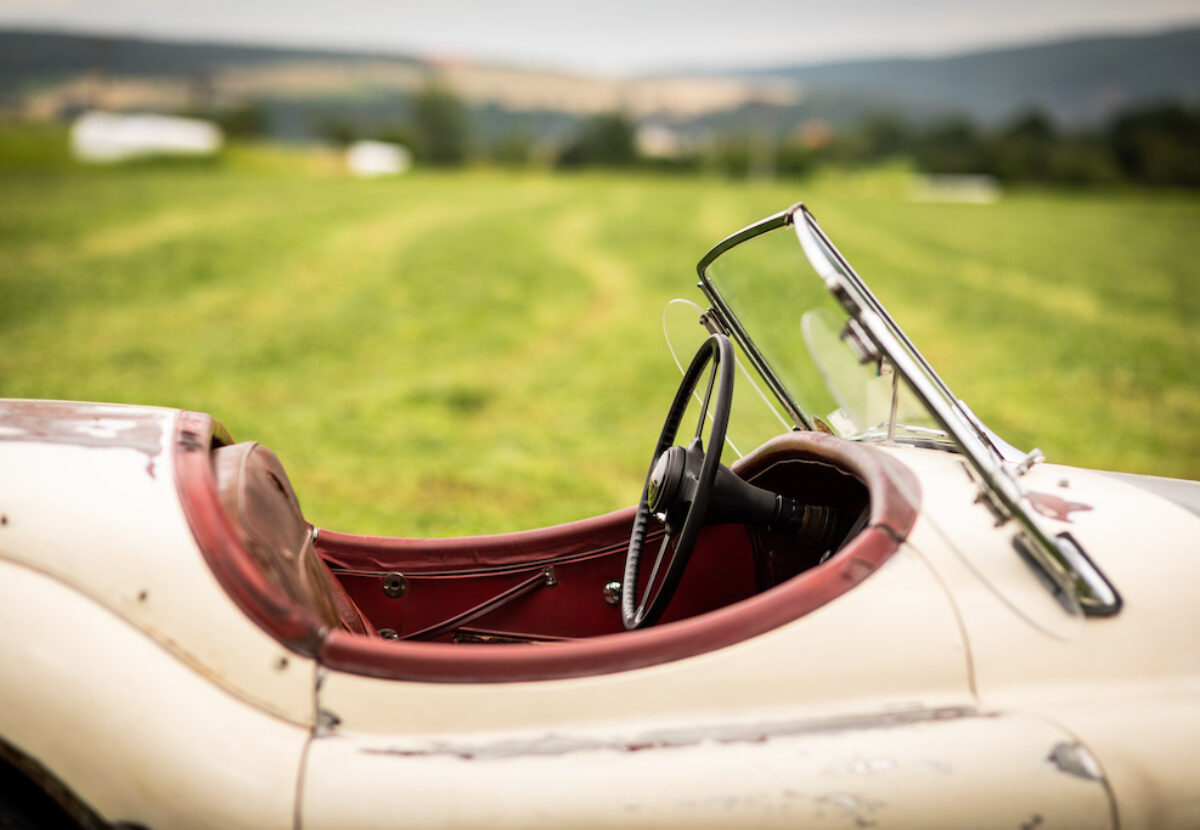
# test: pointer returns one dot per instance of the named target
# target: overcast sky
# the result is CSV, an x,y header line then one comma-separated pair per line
x,y
616,36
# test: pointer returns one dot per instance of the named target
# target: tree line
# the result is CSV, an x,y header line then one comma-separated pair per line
x,y
1155,144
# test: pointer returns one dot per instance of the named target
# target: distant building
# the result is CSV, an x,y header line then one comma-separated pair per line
x,y
970,189
369,159
658,141
106,137
814,133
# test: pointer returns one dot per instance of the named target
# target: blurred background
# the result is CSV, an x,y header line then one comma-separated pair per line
x,y
422,250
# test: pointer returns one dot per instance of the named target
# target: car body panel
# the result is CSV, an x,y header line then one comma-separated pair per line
x,y
851,654
1127,687
843,651
1186,494
128,727
95,506
941,767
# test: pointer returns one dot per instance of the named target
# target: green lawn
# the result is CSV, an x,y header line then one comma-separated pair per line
x,y
482,351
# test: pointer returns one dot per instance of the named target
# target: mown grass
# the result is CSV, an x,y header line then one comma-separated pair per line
x,y
481,351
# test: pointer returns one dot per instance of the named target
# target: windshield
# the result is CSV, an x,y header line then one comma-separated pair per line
x,y
837,362
829,379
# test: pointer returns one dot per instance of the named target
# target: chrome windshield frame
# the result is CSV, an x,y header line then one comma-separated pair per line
x,y
1070,574
729,321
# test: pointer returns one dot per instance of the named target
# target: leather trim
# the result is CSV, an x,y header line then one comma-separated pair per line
x,y
263,601
520,550
482,663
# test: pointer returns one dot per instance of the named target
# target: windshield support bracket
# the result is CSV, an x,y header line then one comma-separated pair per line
x,y
712,322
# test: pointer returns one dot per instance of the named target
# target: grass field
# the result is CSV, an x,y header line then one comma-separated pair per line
x,y
482,351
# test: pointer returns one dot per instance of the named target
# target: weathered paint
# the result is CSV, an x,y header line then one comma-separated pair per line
x,y
1055,507
99,426
558,744
1125,688
128,546
1073,758
917,771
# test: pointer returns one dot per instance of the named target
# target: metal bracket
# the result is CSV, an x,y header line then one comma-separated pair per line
x,y
854,337
1026,462
712,322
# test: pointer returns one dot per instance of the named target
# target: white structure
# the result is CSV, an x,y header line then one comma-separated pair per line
x,y
658,141
977,189
368,159
105,137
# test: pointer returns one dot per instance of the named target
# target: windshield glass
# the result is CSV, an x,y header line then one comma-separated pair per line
x,y
755,417
829,378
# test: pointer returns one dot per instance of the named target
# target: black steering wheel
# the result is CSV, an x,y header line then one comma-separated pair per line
x,y
678,486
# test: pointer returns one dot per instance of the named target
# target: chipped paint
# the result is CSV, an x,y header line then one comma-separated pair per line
x,y
327,722
100,426
555,744
868,766
1075,759
1056,507
853,807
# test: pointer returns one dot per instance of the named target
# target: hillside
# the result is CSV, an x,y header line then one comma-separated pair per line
x,y
49,76
1078,81
39,57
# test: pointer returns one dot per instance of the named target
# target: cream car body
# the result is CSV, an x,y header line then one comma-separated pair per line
x,y
152,681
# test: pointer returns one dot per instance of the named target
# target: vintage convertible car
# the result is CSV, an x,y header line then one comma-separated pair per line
x,y
881,616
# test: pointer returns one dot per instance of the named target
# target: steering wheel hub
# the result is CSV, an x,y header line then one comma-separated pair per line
x,y
666,480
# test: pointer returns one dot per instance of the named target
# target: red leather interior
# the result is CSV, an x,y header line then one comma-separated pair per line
x,y
447,576
728,593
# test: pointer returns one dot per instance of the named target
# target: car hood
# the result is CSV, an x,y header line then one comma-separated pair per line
x,y
1147,544
1186,494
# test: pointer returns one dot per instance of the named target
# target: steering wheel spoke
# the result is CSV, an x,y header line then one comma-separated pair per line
x,y
712,376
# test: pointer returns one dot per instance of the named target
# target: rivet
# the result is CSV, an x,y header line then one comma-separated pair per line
x,y
394,584
612,592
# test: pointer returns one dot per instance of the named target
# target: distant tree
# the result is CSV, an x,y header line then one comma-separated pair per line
x,y
513,149
394,134
795,158
729,156
1084,158
247,120
1024,149
336,130
440,127
881,136
951,146
605,141
1158,144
